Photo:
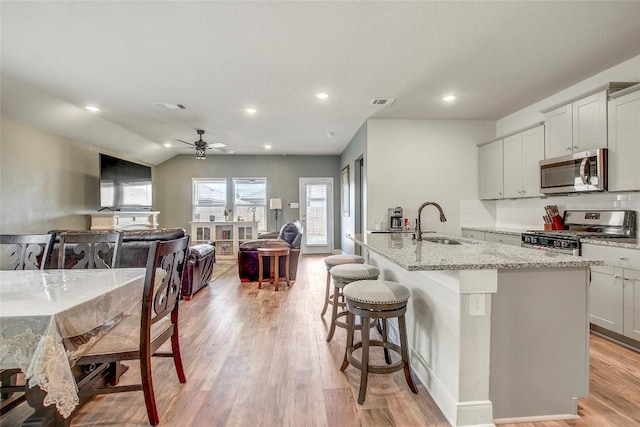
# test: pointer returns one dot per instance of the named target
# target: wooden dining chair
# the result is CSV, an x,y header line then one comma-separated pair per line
x,y
26,251
90,250
23,252
138,337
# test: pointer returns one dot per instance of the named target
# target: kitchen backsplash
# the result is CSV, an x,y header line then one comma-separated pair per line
x,y
527,213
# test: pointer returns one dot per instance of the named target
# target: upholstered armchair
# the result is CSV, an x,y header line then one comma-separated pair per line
x,y
290,235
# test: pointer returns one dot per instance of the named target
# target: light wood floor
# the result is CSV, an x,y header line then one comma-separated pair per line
x,y
259,358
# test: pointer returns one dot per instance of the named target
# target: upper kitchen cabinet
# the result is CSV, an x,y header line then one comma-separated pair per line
x,y
624,140
522,154
491,170
579,124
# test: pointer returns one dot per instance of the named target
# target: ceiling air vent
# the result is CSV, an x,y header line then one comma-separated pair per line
x,y
170,106
382,101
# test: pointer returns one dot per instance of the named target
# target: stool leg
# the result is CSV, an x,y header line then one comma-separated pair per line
x,y
334,313
260,270
378,326
402,327
326,294
364,372
385,339
351,321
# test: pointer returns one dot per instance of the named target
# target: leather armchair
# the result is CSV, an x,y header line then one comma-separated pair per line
x,y
290,235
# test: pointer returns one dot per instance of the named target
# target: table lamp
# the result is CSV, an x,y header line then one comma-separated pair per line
x,y
275,204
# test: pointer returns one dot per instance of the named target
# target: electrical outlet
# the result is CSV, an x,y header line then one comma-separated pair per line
x,y
476,305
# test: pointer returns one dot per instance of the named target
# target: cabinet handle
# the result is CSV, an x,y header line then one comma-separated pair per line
x,y
567,148
574,147
624,258
519,192
616,276
627,278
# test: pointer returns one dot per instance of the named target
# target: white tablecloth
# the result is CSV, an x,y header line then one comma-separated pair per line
x,y
40,309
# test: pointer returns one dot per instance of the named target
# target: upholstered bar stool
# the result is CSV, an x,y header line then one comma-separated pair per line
x,y
343,275
376,299
332,261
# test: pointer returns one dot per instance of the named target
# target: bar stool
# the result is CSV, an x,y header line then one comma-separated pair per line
x,y
343,275
332,261
376,299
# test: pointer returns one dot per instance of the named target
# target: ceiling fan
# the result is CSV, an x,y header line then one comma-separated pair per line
x,y
202,146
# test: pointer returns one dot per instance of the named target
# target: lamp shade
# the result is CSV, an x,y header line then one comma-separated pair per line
x,y
275,203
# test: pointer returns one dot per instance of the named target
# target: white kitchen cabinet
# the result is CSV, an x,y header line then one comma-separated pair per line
x,y
473,234
227,235
624,141
491,171
506,239
522,154
614,291
606,298
578,126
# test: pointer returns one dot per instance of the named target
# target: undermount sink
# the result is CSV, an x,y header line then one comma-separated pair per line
x,y
442,240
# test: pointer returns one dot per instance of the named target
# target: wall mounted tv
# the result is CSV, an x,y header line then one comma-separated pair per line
x,y
124,185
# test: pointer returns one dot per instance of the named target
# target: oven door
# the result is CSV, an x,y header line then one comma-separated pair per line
x,y
579,172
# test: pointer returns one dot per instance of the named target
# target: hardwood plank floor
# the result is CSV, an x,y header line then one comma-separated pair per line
x,y
259,358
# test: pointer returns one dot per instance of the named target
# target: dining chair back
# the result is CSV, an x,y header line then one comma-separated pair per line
x,y
89,249
26,251
139,335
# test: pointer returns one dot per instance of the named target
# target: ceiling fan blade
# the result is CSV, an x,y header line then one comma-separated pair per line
x,y
222,150
185,142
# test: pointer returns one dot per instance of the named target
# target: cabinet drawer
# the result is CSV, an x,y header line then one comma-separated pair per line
x,y
617,257
473,234
507,239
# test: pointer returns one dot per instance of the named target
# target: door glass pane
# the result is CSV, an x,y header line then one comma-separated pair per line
x,y
316,226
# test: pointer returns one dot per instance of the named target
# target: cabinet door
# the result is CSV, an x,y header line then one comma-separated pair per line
x,y
532,153
491,170
506,239
590,122
632,304
624,143
558,130
512,155
606,298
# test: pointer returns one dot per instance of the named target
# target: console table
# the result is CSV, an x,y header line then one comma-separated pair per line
x,y
124,220
227,235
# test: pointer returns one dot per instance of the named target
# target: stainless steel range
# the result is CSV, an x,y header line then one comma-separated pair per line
x,y
581,224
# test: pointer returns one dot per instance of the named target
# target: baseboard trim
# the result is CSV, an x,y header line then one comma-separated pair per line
x,y
539,418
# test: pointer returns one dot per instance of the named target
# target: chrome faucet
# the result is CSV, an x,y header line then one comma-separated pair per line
x,y
418,221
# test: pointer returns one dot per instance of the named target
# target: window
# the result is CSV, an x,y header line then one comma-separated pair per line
x,y
250,201
209,199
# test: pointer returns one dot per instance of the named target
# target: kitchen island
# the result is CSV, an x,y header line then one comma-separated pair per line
x,y
497,333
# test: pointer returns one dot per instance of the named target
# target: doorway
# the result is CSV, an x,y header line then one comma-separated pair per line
x,y
316,214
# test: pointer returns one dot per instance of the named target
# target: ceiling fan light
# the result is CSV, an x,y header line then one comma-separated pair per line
x,y
201,154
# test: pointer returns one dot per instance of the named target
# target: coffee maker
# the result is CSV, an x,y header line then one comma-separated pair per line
x,y
395,218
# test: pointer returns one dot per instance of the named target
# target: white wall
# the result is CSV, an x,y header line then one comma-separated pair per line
x,y
357,148
413,161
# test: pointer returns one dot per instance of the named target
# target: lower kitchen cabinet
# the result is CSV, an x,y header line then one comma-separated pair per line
x,y
614,292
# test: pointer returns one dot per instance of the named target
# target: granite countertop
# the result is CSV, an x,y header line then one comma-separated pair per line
x,y
469,255
619,243
499,230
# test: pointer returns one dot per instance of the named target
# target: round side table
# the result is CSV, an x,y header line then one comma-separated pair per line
x,y
274,255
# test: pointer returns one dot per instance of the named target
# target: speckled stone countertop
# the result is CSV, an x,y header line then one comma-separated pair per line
x,y
469,255
619,243
499,230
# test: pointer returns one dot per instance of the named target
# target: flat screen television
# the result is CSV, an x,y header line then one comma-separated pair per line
x,y
124,185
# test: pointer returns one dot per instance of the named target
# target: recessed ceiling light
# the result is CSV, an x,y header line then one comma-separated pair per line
x,y
251,110
449,98
267,146
322,95
92,108
167,144
330,134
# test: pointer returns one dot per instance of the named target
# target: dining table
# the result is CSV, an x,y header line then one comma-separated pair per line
x,y
49,318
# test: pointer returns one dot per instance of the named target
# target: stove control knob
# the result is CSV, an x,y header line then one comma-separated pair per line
x,y
527,239
534,240
565,244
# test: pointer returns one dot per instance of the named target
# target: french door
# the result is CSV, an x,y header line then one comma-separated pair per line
x,y
316,214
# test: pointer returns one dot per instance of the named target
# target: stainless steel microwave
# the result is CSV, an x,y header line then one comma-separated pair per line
x,y
577,172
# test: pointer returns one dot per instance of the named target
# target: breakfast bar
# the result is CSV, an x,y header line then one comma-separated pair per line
x,y
497,333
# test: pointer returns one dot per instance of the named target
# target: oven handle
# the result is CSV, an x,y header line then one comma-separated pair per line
x,y
584,171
